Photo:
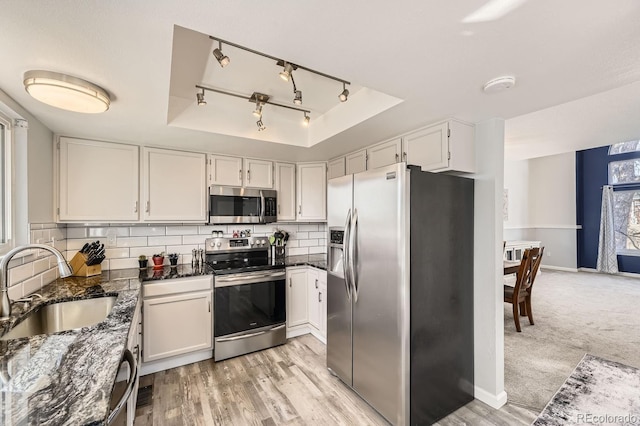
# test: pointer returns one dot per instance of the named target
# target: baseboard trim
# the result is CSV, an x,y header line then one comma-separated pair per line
x,y
558,268
493,401
622,274
173,362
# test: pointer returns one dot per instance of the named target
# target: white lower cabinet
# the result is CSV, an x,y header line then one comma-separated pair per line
x,y
306,302
177,317
297,313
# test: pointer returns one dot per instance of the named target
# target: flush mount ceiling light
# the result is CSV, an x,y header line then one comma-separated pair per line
x,y
200,98
499,84
260,99
222,59
66,92
345,94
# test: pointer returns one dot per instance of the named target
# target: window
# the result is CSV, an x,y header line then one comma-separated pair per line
x,y
5,183
624,176
623,147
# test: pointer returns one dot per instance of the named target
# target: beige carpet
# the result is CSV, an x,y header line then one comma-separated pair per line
x,y
575,313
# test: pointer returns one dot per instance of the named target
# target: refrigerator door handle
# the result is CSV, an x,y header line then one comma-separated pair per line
x,y
345,250
353,241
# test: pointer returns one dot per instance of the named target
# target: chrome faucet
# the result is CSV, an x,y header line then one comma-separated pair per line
x,y
5,303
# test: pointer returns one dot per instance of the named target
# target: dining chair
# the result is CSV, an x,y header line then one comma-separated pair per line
x,y
520,294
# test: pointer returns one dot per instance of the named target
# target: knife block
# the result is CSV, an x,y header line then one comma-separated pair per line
x,y
80,267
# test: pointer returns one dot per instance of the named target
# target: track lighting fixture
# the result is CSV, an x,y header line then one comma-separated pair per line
x,y
260,99
345,93
285,74
223,60
298,97
200,98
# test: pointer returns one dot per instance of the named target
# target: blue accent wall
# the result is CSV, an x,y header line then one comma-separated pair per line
x,y
591,174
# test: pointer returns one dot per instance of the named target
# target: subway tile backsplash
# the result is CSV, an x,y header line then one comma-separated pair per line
x,y
30,271
134,240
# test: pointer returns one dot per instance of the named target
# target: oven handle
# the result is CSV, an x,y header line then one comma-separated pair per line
x,y
246,336
239,279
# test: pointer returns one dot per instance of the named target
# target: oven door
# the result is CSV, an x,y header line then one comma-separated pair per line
x,y
235,205
248,301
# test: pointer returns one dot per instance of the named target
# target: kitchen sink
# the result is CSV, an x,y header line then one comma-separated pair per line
x,y
62,316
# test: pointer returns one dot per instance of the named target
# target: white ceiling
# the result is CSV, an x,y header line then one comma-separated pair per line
x,y
417,50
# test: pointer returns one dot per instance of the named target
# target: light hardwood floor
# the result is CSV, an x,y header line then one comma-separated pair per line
x,y
286,385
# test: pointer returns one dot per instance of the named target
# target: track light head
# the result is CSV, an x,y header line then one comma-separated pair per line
x,y
286,72
258,111
345,93
261,125
306,120
223,60
200,98
298,97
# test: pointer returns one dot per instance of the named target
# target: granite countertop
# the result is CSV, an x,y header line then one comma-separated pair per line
x,y
67,377
316,260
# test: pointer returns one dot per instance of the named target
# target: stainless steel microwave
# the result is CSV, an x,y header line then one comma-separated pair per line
x,y
229,204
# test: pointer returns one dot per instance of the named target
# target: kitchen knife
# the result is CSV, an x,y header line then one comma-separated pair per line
x,y
84,248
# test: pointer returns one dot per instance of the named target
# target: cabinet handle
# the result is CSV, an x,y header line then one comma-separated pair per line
x,y
290,282
135,207
320,297
404,156
209,305
147,209
316,283
299,209
248,175
397,157
240,175
278,208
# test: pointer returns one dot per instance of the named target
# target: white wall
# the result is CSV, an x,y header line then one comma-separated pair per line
x,y
542,206
488,313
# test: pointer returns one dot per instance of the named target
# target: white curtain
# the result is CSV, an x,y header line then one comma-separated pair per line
x,y
607,258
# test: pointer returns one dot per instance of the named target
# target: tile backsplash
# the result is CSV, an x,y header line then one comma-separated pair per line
x,y
30,270
124,243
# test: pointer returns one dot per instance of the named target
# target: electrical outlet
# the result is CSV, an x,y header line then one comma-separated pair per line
x,y
112,238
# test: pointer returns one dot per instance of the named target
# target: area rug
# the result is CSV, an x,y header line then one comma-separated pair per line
x,y
598,392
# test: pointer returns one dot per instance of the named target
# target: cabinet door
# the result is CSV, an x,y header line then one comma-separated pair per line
x,y
258,173
312,192
336,168
322,278
297,312
175,325
286,188
225,170
356,162
313,286
175,186
98,181
429,148
384,154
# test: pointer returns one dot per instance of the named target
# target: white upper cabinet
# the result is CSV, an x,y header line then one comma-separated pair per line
x,y
336,168
442,147
258,173
311,184
97,181
384,154
356,162
286,188
225,170
175,186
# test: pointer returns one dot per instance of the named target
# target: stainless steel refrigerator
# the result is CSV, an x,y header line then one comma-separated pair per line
x,y
400,290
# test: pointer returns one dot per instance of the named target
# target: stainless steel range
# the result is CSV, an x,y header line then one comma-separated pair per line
x,y
249,296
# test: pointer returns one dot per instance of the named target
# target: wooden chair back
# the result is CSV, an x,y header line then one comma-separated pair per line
x,y
524,274
536,260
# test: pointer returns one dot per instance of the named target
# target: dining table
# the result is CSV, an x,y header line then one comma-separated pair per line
x,y
511,266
